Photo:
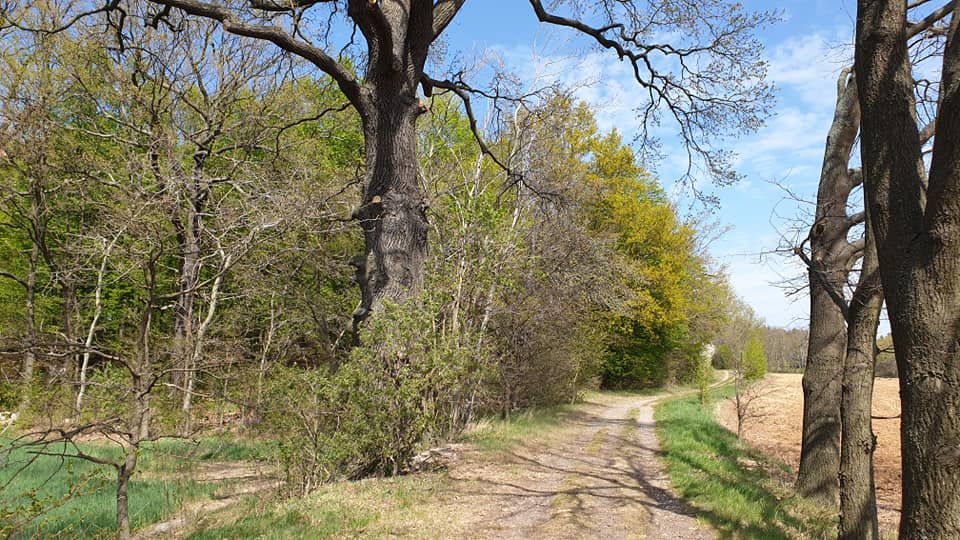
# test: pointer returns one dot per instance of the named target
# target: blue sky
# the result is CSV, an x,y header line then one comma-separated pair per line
x,y
805,51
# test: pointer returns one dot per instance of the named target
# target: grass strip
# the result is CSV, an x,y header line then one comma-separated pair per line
x,y
48,496
735,488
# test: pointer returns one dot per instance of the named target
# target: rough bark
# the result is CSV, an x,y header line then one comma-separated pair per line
x,y
30,309
858,497
124,472
917,229
831,256
393,210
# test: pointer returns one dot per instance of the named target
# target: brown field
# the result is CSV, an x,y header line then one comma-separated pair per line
x,y
777,419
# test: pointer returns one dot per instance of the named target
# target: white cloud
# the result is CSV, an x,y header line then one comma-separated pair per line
x,y
807,67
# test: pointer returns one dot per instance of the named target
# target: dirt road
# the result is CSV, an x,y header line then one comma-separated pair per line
x,y
598,477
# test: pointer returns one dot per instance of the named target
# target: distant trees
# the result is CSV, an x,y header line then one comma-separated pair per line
x,y
786,348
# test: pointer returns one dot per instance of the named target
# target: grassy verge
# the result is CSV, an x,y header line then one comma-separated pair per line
x,y
46,496
374,508
735,488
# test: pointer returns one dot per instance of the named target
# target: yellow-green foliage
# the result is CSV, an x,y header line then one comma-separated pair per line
x,y
754,359
667,312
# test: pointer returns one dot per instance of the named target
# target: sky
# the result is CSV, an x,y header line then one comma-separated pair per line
x,y
780,164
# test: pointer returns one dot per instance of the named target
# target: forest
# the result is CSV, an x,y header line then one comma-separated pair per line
x,y
295,231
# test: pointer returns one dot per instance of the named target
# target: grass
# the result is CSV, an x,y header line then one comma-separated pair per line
x,y
735,488
46,496
373,508
501,435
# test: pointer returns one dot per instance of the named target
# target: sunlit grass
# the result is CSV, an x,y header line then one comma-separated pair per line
x,y
502,434
732,486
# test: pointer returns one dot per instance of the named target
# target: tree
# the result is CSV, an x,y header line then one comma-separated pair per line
x,y
917,227
719,63
831,259
754,359
858,496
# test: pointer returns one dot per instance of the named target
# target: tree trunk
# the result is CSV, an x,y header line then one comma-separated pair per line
x,y
29,361
189,276
858,497
124,472
829,265
393,210
68,287
917,228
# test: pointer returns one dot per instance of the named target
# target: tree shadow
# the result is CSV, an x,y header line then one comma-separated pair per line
x,y
735,488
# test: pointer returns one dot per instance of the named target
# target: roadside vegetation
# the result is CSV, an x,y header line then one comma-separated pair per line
x,y
736,489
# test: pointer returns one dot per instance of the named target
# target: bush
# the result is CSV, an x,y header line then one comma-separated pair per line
x,y
369,417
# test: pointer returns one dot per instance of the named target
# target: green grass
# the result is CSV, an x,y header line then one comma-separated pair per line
x,y
330,520
373,508
738,490
51,497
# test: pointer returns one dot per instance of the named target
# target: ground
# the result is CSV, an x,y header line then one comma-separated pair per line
x,y
597,478
593,473
775,423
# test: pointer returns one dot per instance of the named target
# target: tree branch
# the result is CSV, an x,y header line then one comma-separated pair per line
x,y
824,282
462,91
443,13
915,28
344,78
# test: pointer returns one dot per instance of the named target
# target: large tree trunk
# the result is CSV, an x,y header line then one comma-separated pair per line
x,y
830,260
393,210
393,214
917,228
858,497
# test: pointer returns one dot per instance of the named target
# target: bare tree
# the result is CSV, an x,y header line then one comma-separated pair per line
x,y
710,82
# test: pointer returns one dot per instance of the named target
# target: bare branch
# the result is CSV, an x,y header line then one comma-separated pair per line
x,y
820,276
344,78
443,13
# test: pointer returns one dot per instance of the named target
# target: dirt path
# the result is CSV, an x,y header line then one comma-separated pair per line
x,y
597,478
245,478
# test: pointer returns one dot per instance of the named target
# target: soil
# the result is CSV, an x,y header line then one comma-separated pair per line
x,y
776,420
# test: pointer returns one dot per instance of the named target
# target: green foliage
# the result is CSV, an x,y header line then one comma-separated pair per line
x,y
724,357
754,359
402,387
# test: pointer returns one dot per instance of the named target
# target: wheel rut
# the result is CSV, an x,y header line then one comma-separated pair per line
x,y
597,477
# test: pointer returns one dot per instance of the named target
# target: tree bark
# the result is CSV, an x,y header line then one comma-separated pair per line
x,y
393,209
858,497
917,226
124,472
393,213
829,264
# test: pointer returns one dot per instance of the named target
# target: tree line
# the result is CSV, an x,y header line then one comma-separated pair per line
x,y
178,238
